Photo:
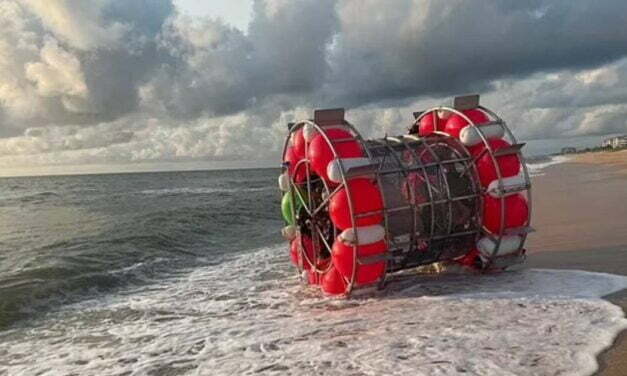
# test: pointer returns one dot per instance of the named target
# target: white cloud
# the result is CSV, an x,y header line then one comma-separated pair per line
x,y
604,76
114,81
78,22
58,72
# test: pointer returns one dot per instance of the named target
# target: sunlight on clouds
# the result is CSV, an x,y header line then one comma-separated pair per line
x,y
234,12
604,76
78,22
58,73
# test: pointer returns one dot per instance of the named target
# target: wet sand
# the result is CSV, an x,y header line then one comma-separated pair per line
x,y
580,212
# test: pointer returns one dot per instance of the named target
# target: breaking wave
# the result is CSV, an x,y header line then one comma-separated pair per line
x,y
537,165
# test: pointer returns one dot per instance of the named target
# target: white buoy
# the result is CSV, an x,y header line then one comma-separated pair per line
x,y
334,170
470,136
508,183
365,234
289,232
284,182
508,245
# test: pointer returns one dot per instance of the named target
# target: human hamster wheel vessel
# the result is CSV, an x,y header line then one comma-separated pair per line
x,y
454,190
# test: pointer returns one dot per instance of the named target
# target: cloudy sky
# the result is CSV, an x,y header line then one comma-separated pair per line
x,y
165,83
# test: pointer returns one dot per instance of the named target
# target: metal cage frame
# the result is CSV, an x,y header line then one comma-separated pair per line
x,y
325,118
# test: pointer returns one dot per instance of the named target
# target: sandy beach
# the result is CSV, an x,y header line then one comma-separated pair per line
x,y
616,159
580,213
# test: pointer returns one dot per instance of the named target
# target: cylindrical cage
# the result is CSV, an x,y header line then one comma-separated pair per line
x,y
455,189
431,198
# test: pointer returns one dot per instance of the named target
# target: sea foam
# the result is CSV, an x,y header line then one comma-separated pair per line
x,y
250,315
535,169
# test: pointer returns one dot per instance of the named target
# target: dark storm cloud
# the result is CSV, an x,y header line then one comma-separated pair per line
x,y
218,70
437,47
290,44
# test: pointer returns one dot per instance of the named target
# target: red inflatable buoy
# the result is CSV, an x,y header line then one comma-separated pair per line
x,y
294,256
366,198
470,259
308,248
313,277
509,164
333,283
516,212
426,125
320,153
456,123
343,260
292,159
299,144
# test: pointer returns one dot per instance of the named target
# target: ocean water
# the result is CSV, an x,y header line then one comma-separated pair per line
x,y
66,238
184,273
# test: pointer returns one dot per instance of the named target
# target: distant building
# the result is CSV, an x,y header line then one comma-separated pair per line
x,y
569,150
615,142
